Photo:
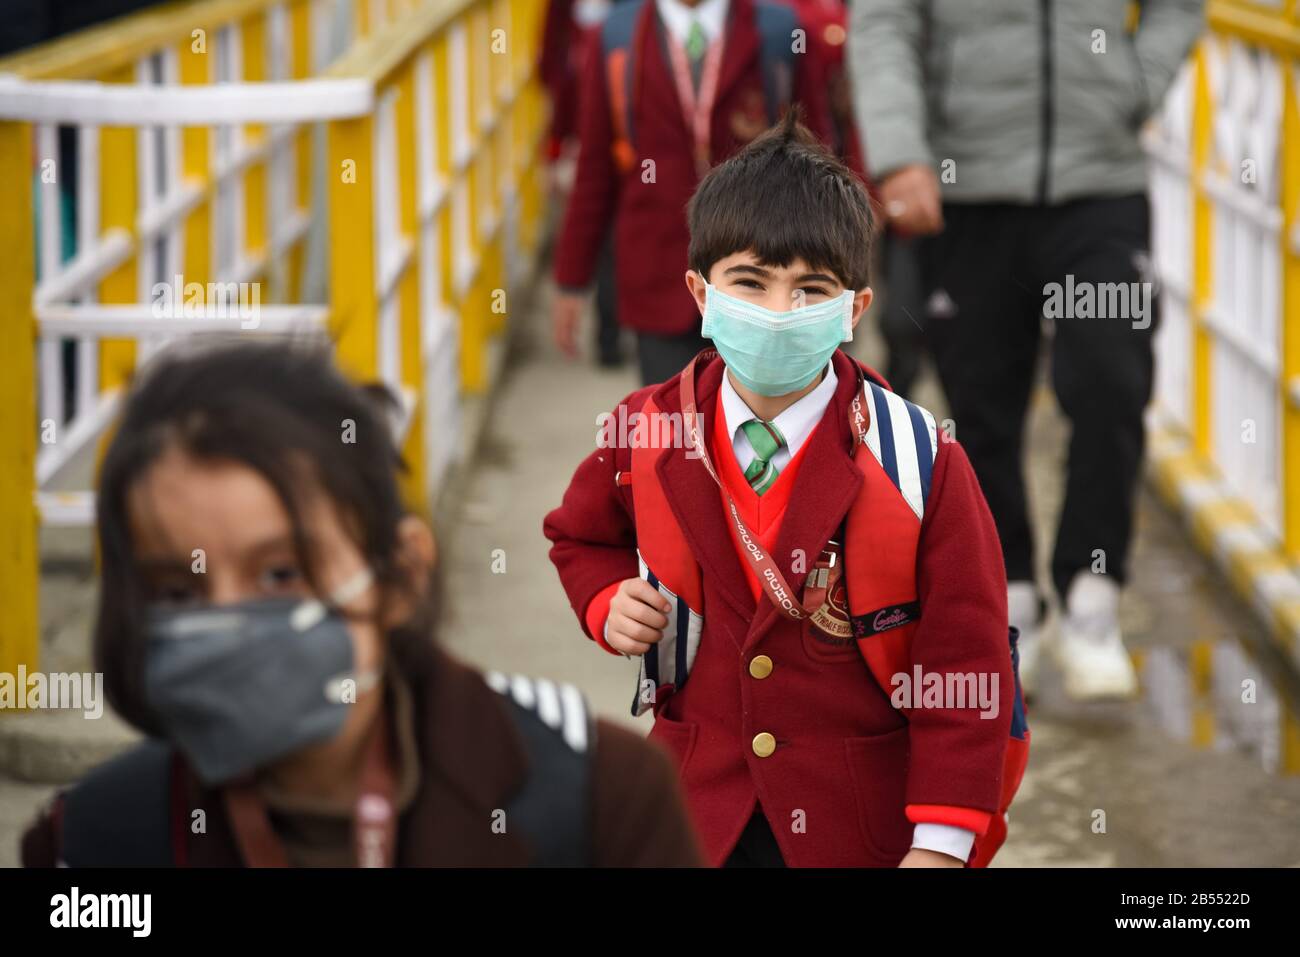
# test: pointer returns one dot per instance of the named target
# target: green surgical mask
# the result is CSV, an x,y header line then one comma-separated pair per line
x,y
776,353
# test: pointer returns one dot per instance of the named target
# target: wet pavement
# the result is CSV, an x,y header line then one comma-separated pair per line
x,y
1188,776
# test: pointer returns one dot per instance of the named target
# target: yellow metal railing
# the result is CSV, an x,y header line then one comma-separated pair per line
x,y
108,49
182,42
1226,192
203,42
419,194
422,195
19,625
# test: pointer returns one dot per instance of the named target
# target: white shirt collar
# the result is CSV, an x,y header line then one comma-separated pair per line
x,y
795,423
678,17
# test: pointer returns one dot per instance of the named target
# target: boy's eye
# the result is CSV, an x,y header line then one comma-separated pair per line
x,y
810,291
749,283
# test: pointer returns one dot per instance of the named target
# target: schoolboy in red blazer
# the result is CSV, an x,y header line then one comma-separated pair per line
x,y
653,64
791,749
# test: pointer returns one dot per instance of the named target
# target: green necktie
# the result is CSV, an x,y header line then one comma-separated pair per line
x,y
765,438
696,42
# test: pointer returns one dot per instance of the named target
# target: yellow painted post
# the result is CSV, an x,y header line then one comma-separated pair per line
x,y
253,34
195,68
355,315
443,81
496,175
522,160
534,185
1199,668
117,210
1290,757
1202,256
300,32
414,482
19,566
1290,382
473,325
1289,154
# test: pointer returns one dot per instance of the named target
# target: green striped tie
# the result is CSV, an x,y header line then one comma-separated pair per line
x,y
696,42
765,438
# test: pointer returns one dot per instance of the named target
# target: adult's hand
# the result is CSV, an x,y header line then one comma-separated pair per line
x,y
911,199
566,310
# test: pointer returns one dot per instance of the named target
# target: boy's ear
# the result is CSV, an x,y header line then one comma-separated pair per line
x,y
695,283
861,303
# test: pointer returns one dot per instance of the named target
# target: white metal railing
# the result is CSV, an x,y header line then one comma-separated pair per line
x,y
1169,145
1241,181
71,269
1245,317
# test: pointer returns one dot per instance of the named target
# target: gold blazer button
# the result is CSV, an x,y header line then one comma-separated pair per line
x,y
760,666
764,744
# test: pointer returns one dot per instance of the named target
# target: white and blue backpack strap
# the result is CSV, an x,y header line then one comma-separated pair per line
x,y
669,661
904,439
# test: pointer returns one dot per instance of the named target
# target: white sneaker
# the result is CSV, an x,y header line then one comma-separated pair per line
x,y
1025,613
1091,651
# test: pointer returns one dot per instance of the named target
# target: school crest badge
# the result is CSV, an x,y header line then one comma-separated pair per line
x,y
830,623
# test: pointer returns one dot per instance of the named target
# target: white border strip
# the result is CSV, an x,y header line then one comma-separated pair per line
x,y
140,319
108,104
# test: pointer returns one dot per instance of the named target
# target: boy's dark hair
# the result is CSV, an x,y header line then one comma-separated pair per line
x,y
279,409
785,197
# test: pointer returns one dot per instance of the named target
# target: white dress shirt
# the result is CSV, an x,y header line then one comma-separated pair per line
x,y
797,423
678,17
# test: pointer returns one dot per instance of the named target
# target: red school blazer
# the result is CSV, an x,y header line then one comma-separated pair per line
x,y
649,219
850,774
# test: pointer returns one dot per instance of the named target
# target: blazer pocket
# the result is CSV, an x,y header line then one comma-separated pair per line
x,y
878,769
677,738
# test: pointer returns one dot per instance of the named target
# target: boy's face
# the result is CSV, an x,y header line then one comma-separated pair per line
x,y
779,288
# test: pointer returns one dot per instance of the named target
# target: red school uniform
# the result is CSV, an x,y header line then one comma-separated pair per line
x,y
647,206
555,67
850,775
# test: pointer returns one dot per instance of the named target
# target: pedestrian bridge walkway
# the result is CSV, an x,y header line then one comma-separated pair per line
x,y
371,172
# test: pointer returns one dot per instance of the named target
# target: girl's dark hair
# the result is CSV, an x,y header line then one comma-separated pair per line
x,y
280,409
786,197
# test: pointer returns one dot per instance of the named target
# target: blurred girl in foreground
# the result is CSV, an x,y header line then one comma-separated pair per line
x,y
266,618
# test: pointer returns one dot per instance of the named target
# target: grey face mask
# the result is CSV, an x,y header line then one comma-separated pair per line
x,y
237,686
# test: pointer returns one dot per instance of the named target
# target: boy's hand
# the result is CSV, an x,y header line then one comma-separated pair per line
x,y
920,857
637,617
566,310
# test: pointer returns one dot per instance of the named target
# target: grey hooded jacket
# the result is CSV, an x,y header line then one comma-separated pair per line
x,y
1021,101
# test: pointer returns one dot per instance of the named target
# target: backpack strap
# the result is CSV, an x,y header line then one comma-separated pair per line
x,y
776,24
553,808
618,44
120,814
904,439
